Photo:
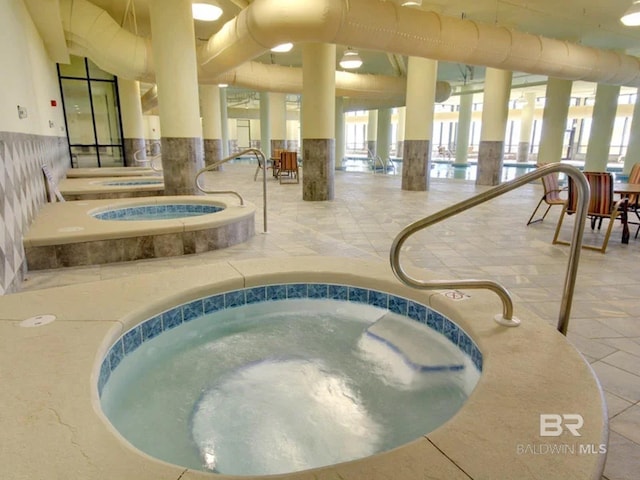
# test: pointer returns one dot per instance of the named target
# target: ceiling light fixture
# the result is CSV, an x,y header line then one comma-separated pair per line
x,y
411,3
631,17
223,85
351,59
206,12
284,47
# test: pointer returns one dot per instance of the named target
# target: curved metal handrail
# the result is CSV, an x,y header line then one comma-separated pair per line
x,y
507,317
258,153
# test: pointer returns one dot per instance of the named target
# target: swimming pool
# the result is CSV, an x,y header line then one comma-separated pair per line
x,y
281,378
158,211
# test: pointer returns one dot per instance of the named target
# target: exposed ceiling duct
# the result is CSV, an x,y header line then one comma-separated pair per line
x,y
385,26
376,25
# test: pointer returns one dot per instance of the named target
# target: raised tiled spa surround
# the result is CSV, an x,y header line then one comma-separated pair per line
x,y
22,194
69,234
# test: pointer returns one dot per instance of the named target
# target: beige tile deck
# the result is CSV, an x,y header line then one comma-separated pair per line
x,y
490,241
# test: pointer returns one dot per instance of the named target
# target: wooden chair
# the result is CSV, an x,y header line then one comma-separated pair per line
x,y
601,206
551,196
289,167
634,198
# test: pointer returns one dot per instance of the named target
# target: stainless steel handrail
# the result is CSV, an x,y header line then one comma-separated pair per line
x,y
507,317
258,153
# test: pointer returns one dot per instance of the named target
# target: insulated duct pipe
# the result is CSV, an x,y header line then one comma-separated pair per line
x,y
385,26
91,30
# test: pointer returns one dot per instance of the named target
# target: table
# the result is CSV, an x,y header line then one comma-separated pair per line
x,y
625,190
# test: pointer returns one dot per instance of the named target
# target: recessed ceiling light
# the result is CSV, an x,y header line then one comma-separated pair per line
x,y
206,12
223,85
284,47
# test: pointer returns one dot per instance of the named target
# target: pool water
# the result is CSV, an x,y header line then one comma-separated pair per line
x,y
124,183
277,387
158,212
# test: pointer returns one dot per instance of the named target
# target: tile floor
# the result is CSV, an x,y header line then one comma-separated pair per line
x,y
491,241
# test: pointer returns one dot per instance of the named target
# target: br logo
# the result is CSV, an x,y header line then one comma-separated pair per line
x,y
552,424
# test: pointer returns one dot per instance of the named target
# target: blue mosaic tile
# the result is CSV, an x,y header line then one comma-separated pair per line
x,y
297,290
417,311
151,328
450,330
213,303
435,321
318,290
338,292
276,292
234,299
398,305
105,373
116,354
465,343
378,299
256,295
476,357
192,310
358,295
172,318
132,339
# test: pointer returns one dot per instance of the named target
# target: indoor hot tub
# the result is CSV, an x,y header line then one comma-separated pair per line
x,y
84,233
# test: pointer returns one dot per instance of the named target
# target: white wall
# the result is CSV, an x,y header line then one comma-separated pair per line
x,y
27,76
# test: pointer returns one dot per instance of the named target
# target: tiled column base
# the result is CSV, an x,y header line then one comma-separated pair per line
x,y
181,160
489,162
523,151
318,167
212,151
400,148
416,163
291,145
136,248
131,146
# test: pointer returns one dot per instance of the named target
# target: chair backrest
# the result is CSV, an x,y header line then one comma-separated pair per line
x,y
289,160
601,198
634,175
551,187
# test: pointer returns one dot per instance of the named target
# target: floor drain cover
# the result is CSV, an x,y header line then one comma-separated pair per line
x,y
37,321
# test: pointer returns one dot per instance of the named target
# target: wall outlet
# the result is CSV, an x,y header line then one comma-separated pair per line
x,y
22,112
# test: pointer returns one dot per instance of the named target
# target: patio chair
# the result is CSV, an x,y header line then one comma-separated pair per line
x,y
551,196
289,167
601,206
634,198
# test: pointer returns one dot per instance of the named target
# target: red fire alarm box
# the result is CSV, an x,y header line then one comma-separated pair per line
x,y
53,103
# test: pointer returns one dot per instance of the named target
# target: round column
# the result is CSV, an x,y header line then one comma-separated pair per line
x,y
224,122
604,116
174,56
318,121
384,133
372,133
554,120
211,123
421,92
464,127
132,122
633,149
265,125
402,114
526,126
495,110
278,121
340,133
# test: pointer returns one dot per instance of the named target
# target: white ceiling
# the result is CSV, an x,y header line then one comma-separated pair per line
x,y
588,22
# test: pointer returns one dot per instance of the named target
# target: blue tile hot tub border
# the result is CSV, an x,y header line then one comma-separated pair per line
x,y
190,208
186,312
